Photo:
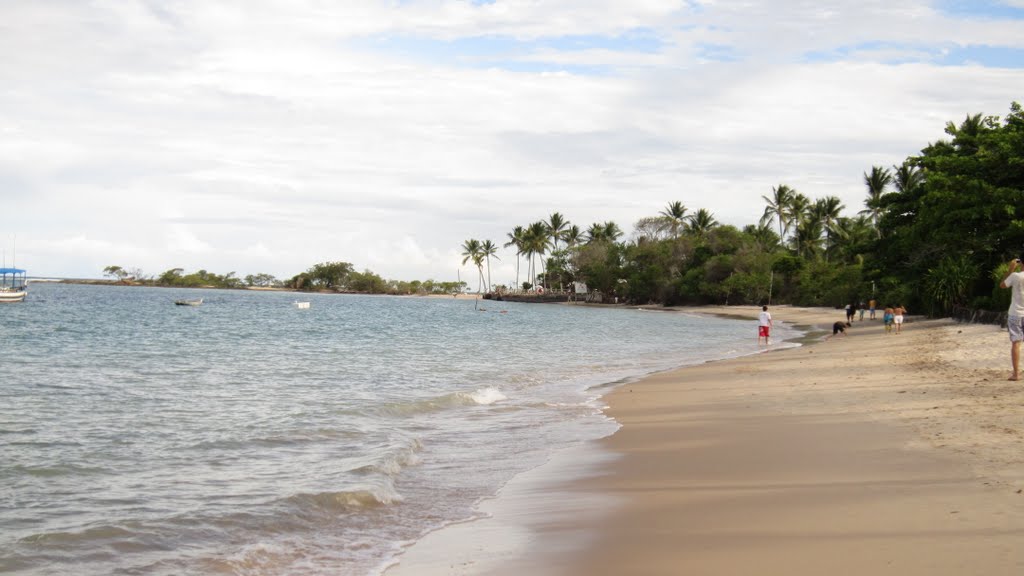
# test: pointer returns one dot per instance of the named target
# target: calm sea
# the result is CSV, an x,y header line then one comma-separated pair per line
x,y
248,436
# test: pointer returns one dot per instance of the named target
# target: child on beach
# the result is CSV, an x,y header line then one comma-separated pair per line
x,y
887,318
838,328
764,325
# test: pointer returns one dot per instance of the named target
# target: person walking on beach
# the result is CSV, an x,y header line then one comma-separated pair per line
x,y
1015,316
887,318
764,325
860,310
849,312
871,305
897,317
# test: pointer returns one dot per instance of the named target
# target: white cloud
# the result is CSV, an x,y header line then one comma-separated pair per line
x,y
269,136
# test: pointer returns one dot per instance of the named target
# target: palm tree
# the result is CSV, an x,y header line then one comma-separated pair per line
x,y
556,226
488,249
536,243
807,236
701,222
907,178
674,217
877,181
796,213
763,235
595,233
572,236
828,210
612,232
966,135
471,251
515,238
850,235
778,208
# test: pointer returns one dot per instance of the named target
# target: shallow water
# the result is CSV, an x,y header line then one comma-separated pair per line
x,y
247,436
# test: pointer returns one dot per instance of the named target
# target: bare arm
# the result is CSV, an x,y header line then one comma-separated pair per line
x,y
1014,264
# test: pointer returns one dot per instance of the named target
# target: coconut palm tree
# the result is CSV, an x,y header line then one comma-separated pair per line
x,y
488,249
572,236
536,243
612,232
471,251
700,223
556,226
674,218
851,234
763,235
807,236
778,208
796,213
907,178
879,179
515,238
966,135
828,209
595,233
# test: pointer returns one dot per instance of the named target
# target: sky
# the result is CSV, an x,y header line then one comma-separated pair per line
x,y
265,136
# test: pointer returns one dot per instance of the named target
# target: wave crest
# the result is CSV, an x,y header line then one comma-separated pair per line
x,y
479,397
345,500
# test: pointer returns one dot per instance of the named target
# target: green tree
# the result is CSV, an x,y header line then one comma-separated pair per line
x,y
489,250
700,223
879,179
778,208
472,250
674,218
516,238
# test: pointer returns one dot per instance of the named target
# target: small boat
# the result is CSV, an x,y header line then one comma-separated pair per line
x,y
13,285
302,305
193,302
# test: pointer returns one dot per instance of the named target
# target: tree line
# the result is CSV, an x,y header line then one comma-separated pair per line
x,y
325,276
934,234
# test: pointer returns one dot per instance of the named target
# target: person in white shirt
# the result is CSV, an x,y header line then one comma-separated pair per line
x,y
1015,317
764,325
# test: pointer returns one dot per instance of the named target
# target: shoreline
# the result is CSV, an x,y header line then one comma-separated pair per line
x,y
869,453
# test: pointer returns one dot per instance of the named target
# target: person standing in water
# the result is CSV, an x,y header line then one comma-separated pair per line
x,y
764,325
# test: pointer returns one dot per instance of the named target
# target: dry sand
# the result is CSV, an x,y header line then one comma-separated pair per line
x,y
872,453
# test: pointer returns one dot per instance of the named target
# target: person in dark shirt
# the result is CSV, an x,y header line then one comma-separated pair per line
x,y
839,328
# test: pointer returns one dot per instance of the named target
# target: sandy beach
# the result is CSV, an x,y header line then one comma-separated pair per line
x,y
870,453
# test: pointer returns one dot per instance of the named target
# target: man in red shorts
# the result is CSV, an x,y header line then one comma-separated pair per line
x,y
764,325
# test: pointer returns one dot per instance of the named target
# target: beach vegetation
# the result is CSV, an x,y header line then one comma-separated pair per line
x,y
934,234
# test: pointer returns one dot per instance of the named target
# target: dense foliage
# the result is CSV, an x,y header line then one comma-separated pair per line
x,y
934,234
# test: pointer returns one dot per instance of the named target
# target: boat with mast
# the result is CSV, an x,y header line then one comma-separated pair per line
x,y
13,281
13,285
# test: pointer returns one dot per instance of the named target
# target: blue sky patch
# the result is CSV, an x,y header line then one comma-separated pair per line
x,y
507,52
991,9
946,55
988,56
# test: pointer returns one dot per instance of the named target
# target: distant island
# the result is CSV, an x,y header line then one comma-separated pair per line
x,y
337,277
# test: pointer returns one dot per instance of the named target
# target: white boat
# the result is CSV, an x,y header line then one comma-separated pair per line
x,y
13,285
194,302
302,305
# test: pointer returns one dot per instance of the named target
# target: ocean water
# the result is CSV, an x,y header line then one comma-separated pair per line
x,y
247,436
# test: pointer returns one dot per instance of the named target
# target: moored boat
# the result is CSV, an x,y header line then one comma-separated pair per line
x,y
193,302
13,285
